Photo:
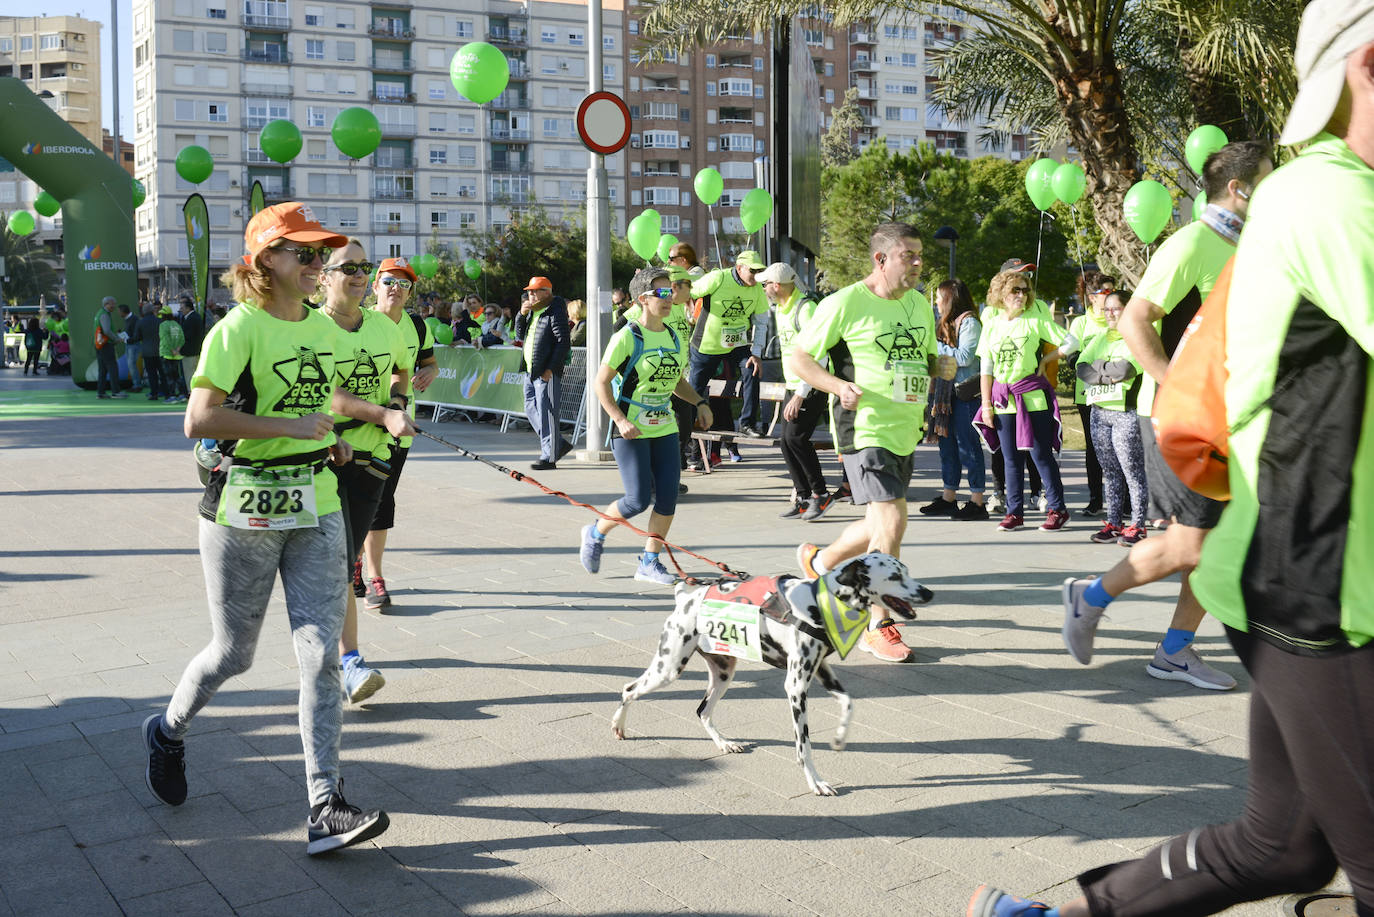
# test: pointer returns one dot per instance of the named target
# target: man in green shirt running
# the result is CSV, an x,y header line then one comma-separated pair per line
x,y
1287,567
733,310
1178,279
878,337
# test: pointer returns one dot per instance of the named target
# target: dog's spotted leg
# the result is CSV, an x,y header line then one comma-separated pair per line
x,y
799,671
722,669
675,649
832,684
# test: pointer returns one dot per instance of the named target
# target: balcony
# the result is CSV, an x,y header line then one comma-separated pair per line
x,y
394,194
391,98
508,165
394,32
501,35
274,23
394,228
519,70
255,122
870,121
271,55
393,64
863,66
857,37
739,63
867,93
506,102
384,159
271,193
519,134
658,88
397,130
275,90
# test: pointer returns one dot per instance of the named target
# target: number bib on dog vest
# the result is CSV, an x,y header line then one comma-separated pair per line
x,y
267,499
910,381
732,336
729,629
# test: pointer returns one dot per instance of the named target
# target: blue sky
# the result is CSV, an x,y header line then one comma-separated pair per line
x,y
98,10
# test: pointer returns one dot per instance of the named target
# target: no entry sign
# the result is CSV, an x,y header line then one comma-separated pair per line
x,y
603,122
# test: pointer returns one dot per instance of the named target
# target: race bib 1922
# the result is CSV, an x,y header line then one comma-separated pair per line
x,y
910,381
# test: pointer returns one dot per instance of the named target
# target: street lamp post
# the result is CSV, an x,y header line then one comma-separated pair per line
x,y
948,236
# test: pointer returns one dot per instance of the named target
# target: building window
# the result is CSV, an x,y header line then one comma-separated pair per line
x,y
219,112
608,72
550,127
608,42
548,36
467,156
26,43
216,43
314,15
660,140
467,124
438,219
314,49
184,110
212,13
908,59
464,28
436,89
438,122
577,38
466,219
183,40
314,116
438,155
344,50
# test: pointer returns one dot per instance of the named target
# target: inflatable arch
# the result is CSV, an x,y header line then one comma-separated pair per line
x,y
97,198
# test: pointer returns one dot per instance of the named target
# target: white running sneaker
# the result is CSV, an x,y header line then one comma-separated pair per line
x,y
1185,665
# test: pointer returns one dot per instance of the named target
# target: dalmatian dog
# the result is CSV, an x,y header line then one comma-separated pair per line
x,y
791,634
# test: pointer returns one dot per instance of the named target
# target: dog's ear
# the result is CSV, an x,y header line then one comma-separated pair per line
x,y
853,575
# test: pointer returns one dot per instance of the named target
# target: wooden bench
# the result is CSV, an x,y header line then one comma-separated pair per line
x,y
775,392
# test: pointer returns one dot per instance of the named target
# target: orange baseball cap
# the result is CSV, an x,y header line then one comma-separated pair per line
x,y
292,220
397,265
539,283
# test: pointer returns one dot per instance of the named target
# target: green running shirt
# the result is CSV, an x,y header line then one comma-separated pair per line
x,y
1290,559
414,350
730,320
1011,347
793,315
274,368
655,376
366,360
878,344
1178,279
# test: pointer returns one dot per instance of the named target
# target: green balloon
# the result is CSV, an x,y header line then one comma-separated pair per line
x,y
1203,142
665,245
1040,183
1069,182
280,140
755,209
46,204
21,222
643,233
140,194
194,163
443,334
708,185
1199,205
473,268
426,265
1147,208
479,72
356,132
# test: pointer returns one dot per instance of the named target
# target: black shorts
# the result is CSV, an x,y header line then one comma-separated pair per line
x,y
1174,498
386,509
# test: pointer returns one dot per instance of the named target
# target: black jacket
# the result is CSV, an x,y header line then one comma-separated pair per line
x,y
550,342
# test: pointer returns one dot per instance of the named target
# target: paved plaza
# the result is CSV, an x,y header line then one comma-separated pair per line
x,y
994,757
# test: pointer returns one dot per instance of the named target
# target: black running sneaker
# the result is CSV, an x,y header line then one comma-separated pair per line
x,y
359,587
166,772
334,824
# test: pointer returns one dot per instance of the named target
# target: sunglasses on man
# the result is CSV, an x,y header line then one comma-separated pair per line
x,y
401,282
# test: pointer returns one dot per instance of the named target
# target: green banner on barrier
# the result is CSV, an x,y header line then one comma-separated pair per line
x,y
472,378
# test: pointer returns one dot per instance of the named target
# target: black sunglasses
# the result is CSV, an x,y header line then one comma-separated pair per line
x,y
306,254
352,267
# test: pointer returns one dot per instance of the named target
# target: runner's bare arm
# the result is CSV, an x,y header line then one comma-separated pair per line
x,y
1137,327
206,416
395,422
806,367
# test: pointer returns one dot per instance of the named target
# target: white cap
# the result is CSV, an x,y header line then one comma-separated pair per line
x,y
1330,31
778,272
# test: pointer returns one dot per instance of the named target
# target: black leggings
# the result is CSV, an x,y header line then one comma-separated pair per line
x,y
797,450
31,359
1090,460
1308,809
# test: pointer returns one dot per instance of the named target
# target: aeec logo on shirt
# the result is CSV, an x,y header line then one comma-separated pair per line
x,y
308,388
735,308
668,368
903,343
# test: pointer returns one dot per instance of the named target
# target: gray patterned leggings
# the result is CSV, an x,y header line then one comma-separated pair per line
x,y
1116,435
241,567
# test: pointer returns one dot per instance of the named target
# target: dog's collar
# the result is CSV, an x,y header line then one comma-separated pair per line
x,y
843,625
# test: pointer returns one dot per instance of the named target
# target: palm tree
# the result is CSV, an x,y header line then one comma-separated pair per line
x,y
1097,73
30,268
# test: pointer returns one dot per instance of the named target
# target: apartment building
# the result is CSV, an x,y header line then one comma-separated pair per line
x,y
213,72
58,57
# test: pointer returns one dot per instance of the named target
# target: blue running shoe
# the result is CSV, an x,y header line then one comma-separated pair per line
x,y
654,572
993,902
360,680
590,555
